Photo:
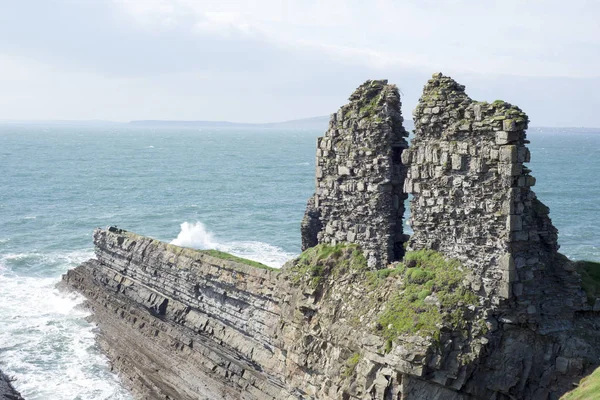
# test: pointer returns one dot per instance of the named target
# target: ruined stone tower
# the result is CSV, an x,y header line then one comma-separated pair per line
x,y
360,176
472,197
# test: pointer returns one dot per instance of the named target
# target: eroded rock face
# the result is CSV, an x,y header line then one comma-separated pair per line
x,y
359,177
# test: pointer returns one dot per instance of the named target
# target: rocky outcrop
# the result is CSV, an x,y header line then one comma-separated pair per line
x,y
359,177
7,391
481,306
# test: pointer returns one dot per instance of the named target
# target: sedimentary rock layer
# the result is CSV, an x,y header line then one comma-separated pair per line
x,y
182,324
359,177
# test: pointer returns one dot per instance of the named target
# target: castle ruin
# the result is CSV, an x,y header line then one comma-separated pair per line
x,y
360,176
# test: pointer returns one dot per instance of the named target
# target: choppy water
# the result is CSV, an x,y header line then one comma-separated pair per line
x,y
239,191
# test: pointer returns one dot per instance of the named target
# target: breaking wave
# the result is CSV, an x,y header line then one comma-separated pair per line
x,y
195,235
45,341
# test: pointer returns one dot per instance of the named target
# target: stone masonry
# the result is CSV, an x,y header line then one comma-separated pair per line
x,y
472,197
359,194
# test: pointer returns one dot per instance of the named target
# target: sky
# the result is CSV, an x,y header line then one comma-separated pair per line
x,y
268,61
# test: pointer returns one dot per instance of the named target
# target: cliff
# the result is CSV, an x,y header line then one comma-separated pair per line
x,y
480,306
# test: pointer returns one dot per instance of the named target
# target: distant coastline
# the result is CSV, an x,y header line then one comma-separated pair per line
x,y
314,123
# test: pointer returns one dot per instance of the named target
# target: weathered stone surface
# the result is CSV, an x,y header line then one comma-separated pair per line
x,y
472,197
7,391
359,179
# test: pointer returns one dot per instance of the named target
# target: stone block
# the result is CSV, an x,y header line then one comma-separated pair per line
x,y
406,157
351,236
562,364
504,137
518,289
509,125
505,290
514,223
507,266
477,112
343,170
513,169
457,162
508,154
319,172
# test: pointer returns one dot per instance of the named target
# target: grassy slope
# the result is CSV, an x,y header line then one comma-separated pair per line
x,y
589,388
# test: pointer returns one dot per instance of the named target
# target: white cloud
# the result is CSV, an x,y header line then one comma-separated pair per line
x,y
534,38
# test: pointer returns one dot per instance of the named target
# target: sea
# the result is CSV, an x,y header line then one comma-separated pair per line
x,y
242,191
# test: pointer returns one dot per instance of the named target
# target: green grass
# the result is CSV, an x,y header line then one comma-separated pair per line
x,y
371,107
351,364
226,256
316,263
589,388
590,278
423,273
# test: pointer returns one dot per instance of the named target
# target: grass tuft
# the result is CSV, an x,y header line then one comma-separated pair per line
x,y
424,273
226,256
322,260
590,278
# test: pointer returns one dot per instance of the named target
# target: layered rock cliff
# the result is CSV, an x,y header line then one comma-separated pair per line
x,y
481,306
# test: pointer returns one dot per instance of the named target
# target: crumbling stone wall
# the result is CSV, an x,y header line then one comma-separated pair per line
x,y
472,192
360,176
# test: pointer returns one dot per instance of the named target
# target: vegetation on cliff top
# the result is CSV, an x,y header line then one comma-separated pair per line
x,y
226,256
431,294
590,278
589,388
420,295
323,260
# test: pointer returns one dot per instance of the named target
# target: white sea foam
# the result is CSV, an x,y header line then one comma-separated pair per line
x,y
195,235
47,345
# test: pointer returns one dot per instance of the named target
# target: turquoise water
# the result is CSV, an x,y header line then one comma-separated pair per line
x,y
242,191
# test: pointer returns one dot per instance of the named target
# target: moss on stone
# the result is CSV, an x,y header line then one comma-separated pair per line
x,y
230,257
317,262
590,278
351,364
370,108
426,273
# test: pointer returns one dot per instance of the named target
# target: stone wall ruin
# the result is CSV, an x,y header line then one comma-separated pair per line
x,y
472,197
359,177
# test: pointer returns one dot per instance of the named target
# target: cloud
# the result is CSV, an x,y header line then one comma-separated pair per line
x,y
273,60
509,37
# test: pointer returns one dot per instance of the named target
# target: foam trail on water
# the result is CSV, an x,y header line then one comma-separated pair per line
x,y
45,341
195,235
